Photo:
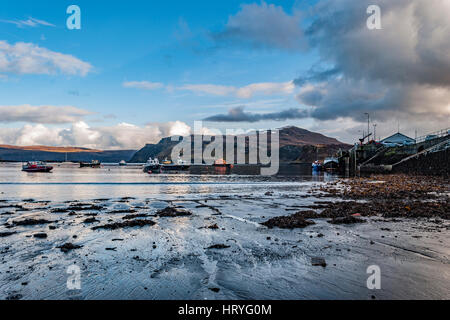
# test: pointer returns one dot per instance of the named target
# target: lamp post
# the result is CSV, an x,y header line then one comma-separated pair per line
x,y
368,126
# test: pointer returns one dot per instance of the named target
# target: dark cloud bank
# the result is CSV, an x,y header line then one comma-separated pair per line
x,y
402,70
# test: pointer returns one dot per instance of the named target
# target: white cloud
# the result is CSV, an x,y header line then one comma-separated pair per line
x,y
41,114
30,22
80,134
146,85
28,58
246,92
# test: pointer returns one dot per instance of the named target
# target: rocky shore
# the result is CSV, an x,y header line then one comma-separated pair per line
x,y
384,196
236,246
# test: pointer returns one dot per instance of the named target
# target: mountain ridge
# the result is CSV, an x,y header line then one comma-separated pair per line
x,y
296,145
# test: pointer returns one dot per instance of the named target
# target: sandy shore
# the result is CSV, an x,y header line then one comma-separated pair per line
x,y
256,246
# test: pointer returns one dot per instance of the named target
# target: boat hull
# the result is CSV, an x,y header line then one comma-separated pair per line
x,y
89,165
175,167
40,169
225,165
152,169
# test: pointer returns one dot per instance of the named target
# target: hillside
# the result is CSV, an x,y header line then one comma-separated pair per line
x,y
294,136
296,144
58,154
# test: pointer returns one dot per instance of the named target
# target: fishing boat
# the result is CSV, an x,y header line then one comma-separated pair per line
x,y
316,166
221,163
331,164
36,166
181,165
152,166
92,164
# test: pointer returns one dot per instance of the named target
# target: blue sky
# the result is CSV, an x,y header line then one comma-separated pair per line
x,y
148,62
149,41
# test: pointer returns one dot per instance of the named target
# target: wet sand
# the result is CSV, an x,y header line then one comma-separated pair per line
x,y
216,246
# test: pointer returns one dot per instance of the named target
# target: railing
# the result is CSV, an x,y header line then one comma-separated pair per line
x,y
434,135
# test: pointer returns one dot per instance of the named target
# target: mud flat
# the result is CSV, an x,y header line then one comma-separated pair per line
x,y
304,241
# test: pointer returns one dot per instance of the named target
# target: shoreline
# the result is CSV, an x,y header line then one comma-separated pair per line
x,y
216,246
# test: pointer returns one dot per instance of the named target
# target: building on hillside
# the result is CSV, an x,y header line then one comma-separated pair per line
x,y
398,139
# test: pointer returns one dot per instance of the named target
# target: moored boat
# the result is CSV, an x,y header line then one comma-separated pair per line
x,y
152,166
331,164
221,163
316,166
36,166
92,164
181,165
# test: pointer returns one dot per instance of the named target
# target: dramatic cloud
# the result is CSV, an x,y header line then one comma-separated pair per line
x,y
265,26
28,58
265,88
239,115
401,71
30,22
121,136
143,85
41,114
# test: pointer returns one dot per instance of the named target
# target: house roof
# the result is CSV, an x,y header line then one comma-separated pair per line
x,y
397,137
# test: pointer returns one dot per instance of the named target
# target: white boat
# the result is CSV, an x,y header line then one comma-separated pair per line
x,y
152,166
331,163
181,165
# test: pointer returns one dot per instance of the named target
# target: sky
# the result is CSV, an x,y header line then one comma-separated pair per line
x,y
138,71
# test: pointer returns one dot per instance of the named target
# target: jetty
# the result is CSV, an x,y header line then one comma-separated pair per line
x,y
425,155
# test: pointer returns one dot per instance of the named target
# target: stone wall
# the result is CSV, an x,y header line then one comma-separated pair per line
x,y
436,164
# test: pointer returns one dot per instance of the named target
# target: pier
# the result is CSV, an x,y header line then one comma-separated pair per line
x,y
428,155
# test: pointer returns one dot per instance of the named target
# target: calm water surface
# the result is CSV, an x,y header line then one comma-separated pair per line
x,y
69,182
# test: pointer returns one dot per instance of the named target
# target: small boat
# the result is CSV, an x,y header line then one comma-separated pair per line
x,y
92,164
181,165
316,166
36,166
221,163
122,163
331,164
152,166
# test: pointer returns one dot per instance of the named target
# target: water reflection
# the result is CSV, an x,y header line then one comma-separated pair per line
x,y
69,182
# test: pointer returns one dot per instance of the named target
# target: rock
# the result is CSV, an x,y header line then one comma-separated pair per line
x,y
126,224
288,222
41,235
346,220
68,247
30,222
122,211
218,246
6,234
134,216
173,212
317,261
214,289
90,220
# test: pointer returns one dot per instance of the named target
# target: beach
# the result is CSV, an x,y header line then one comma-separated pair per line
x,y
136,236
